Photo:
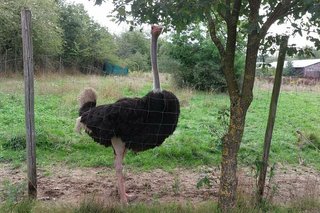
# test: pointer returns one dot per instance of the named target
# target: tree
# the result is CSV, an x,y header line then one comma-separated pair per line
x,y
131,42
133,49
199,58
47,37
289,69
227,22
85,42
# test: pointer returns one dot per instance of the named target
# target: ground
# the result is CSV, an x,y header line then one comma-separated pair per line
x,y
72,185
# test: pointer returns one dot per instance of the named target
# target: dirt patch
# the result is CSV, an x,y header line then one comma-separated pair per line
x,y
65,184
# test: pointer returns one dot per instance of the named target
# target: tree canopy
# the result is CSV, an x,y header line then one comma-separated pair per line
x,y
85,41
46,30
59,30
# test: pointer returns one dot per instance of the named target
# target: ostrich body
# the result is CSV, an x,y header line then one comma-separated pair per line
x,y
130,123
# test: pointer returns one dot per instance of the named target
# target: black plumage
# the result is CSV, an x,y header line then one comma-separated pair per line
x,y
141,123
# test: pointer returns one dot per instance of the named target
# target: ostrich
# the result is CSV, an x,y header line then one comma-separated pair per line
x,y
137,124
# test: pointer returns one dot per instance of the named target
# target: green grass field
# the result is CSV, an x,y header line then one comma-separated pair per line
x,y
196,141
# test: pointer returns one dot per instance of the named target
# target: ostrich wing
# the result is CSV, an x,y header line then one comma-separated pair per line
x,y
123,119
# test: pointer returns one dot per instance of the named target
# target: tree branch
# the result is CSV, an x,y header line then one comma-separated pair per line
x,y
236,8
228,6
251,54
281,10
254,6
229,57
213,35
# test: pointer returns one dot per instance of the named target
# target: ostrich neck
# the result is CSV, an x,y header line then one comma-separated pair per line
x,y
156,81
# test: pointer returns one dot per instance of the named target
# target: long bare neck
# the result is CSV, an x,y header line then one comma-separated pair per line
x,y
156,80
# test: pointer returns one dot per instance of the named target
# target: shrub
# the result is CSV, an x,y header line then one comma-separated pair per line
x,y
43,140
138,62
204,76
315,140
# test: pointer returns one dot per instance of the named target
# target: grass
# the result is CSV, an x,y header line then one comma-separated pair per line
x,y
93,205
197,140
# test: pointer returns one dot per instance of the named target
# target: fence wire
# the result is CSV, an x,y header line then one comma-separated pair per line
x,y
205,124
11,62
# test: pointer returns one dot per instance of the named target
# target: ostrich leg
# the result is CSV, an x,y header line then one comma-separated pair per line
x,y
119,149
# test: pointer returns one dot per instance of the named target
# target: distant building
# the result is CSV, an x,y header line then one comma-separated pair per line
x,y
308,68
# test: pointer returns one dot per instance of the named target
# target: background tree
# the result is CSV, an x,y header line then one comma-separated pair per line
x,y
133,50
85,42
46,30
62,34
288,69
227,22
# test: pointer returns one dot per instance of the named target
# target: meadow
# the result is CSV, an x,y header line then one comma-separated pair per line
x,y
196,142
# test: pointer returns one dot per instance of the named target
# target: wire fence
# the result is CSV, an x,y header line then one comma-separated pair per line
x,y
12,62
46,63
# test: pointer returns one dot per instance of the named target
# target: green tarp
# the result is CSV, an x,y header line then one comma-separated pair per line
x,y
112,69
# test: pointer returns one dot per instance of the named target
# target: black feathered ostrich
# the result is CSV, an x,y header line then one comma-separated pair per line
x,y
131,123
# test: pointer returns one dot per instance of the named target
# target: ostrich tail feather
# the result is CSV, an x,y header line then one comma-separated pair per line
x,y
86,96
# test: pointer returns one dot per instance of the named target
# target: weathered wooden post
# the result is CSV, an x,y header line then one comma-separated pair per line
x,y
5,61
60,65
29,101
272,116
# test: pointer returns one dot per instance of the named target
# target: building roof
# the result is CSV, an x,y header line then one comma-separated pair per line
x,y
299,63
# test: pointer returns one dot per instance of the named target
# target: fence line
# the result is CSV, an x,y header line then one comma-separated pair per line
x,y
12,62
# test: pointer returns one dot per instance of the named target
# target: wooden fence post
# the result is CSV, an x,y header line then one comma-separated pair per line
x,y
272,117
5,61
29,101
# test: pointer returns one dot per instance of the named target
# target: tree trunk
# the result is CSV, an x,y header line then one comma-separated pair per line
x,y
231,144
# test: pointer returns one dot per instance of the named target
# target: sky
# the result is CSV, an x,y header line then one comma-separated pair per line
x,y
100,13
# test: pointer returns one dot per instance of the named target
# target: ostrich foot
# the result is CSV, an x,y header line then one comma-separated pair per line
x,y
124,200
131,197
128,198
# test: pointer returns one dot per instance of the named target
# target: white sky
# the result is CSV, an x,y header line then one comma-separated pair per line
x,y
100,13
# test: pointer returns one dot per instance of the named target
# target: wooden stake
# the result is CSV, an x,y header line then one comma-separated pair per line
x,y
272,117
29,101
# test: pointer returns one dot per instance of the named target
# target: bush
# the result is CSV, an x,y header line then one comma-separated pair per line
x,y
168,65
203,76
17,142
315,141
138,62
43,140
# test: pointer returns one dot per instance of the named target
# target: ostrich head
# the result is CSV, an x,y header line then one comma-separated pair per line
x,y
155,32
